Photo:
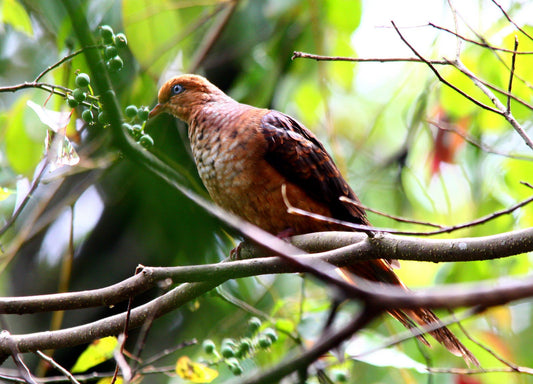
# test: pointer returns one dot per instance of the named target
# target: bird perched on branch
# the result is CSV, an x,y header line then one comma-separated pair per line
x,y
246,156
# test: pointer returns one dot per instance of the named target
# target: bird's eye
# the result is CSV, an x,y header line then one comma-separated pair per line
x,y
177,89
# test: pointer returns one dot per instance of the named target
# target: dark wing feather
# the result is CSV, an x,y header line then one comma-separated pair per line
x,y
297,154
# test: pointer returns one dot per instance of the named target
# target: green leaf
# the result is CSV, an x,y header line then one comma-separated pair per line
x,y
14,14
99,351
154,30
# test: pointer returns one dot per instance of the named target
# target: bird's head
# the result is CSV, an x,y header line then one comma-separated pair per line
x,y
183,95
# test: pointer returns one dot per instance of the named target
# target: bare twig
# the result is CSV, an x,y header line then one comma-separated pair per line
x,y
422,330
304,55
64,59
442,79
482,43
511,75
57,366
359,227
485,148
395,218
511,20
26,199
501,110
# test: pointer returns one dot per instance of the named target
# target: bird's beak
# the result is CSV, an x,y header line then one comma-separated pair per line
x,y
156,110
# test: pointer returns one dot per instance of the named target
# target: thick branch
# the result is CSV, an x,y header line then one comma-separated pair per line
x,y
337,248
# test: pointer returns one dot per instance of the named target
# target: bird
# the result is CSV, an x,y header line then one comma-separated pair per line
x,y
252,160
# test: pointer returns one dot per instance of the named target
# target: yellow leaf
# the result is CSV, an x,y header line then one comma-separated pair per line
x,y
99,351
194,372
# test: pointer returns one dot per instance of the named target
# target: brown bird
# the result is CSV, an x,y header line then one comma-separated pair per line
x,y
245,155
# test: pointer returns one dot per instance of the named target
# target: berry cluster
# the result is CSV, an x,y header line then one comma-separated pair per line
x,y
233,350
112,43
135,127
137,115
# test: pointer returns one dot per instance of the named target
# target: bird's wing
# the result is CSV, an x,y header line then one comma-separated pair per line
x,y
297,154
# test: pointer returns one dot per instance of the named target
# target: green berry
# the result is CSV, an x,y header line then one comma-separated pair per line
x,y
115,64
72,102
271,334
137,131
87,116
110,51
146,141
227,351
79,95
208,346
102,118
254,324
120,40
234,366
107,34
245,345
264,342
130,111
82,80
143,113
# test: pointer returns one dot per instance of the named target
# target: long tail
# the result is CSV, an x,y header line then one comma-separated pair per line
x,y
381,271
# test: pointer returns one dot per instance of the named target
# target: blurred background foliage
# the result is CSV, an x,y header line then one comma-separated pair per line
x,y
377,119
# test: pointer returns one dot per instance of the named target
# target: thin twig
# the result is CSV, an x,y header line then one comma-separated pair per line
x,y
511,20
58,366
395,218
501,110
511,75
471,140
482,43
304,55
27,198
164,353
64,59
442,79
421,330
359,227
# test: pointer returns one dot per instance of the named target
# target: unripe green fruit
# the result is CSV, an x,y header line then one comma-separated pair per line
x,y
227,351
110,51
87,116
82,80
130,111
264,342
254,323
102,118
143,113
120,40
79,95
146,141
72,102
271,334
208,346
106,32
115,64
